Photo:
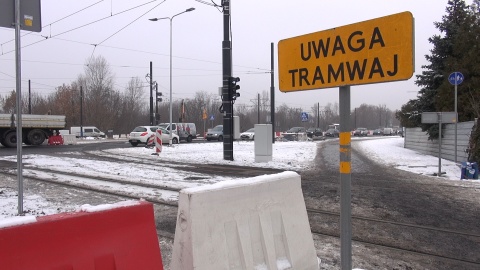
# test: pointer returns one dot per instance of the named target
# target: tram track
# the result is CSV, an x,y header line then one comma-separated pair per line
x,y
372,222
399,236
385,235
98,188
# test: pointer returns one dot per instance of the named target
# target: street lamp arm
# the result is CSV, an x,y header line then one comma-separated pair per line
x,y
158,19
171,18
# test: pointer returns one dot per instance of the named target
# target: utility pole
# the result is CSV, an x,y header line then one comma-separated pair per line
x,y
272,92
29,98
81,111
151,95
318,114
258,108
227,104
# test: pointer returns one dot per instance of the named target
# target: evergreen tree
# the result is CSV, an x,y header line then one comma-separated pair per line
x,y
454,49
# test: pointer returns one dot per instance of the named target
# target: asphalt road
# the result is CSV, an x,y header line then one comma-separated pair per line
x,y
378,191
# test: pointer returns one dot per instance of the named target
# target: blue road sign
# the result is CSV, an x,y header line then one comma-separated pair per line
x,y
455,78
211,117
304,117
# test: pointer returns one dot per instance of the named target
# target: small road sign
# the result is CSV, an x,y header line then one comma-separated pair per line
x,y
304,117
439,117
212,118
30,15
455,78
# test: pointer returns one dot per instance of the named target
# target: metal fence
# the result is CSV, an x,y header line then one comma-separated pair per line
x,y
416,139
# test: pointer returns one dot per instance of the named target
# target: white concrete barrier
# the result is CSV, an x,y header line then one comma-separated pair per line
x,y
69,139
254,223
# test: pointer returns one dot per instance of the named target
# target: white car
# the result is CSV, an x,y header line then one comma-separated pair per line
x,y
141,134
248,135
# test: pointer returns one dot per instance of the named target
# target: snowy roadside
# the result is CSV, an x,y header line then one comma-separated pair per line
x,y
294,156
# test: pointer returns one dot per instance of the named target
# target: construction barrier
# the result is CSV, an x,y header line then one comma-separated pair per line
x,y
158,141
254,223
55,140
69,139
150,142
121,236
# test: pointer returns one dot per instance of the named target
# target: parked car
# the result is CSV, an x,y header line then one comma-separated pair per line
x,y
140,135
249,134
377,132
166,136
293,133
215,133
314,132
360,132
296,130
332,133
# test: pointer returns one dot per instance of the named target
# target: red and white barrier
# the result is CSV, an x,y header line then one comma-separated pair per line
x,y
55,140
150,142
158,141
105,237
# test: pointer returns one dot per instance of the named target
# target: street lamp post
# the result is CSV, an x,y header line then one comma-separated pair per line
x,y
171,19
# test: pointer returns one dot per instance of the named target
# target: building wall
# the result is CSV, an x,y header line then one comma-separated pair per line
x,y
417,140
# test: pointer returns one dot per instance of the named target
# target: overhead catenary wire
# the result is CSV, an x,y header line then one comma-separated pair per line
x,y
148,11
84,25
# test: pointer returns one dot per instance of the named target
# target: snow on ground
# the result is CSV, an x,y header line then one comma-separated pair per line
x,y
295,156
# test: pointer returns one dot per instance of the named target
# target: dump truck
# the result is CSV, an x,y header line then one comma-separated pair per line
x,y
35,128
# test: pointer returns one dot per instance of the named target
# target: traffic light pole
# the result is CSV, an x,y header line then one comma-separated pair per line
x,y
227,73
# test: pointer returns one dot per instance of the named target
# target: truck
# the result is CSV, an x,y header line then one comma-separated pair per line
x,y
35,128
88,131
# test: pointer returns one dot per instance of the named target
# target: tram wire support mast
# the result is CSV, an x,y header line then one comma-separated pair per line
x,y
227,103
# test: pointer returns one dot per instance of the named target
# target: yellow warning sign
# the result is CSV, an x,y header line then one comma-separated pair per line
x,y
378,50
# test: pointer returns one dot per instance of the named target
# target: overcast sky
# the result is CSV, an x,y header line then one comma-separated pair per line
x,y
129,41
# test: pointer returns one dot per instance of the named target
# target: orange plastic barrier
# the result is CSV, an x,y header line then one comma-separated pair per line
x,y
55,140
115,239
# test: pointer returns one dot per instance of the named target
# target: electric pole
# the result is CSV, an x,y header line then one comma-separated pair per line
x,y
227,104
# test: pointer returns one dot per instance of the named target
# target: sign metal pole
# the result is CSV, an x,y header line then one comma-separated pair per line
x,y
439,144
345,180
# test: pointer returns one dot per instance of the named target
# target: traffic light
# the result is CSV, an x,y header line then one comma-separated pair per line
x,y
233,87
159,96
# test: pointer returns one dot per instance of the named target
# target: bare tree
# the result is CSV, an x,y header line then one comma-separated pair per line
x,y
98,92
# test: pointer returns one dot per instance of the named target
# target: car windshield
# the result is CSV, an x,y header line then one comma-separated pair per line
x,y
140,129
331,130
217,128
250,130
295,129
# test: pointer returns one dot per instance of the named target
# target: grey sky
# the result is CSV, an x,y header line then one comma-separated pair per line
x,y
129,41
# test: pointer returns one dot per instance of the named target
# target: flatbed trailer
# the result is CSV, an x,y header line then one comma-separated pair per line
x,y
36,128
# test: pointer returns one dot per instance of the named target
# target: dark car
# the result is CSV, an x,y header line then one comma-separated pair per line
x,y
293,133
377,132
314,132
296,130
360,132
215,133
332,133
